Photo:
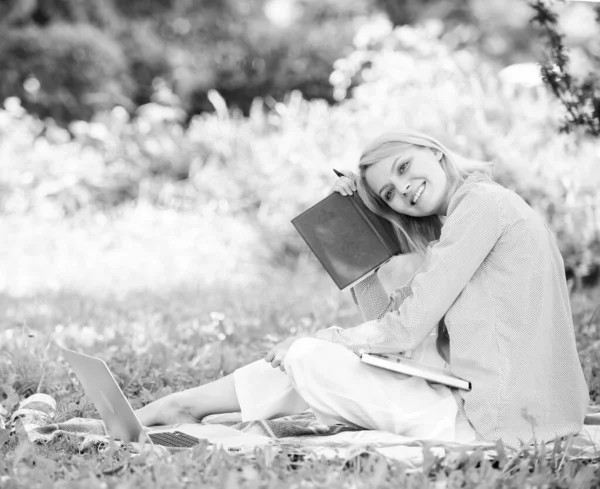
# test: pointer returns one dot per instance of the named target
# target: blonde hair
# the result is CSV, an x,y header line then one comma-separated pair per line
x,y
414,233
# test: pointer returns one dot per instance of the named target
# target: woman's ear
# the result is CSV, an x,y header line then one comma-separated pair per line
x,y
438,154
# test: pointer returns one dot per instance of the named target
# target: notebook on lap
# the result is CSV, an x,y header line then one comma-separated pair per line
x,y
399,363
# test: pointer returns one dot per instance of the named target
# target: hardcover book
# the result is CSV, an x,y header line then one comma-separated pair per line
x,y
347,238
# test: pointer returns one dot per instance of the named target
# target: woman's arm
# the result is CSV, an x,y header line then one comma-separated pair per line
x,y
469,234
372,299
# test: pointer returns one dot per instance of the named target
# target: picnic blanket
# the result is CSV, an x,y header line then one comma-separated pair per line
x,y
301,433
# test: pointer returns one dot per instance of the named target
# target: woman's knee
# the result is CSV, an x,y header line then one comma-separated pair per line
x,y
311,350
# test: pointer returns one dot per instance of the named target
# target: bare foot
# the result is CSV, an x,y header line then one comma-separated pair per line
x,y
191,405
165,411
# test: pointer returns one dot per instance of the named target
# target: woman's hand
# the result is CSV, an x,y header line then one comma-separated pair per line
x,y
345,185
277,354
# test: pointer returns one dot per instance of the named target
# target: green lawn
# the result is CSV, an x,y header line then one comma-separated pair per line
x,y
142,293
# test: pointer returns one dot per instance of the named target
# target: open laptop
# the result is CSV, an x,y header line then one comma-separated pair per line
x,y
114,408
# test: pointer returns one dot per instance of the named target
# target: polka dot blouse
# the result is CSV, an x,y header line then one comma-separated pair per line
x,y
496,278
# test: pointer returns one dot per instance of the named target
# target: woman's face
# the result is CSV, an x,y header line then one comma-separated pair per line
x,y
411,181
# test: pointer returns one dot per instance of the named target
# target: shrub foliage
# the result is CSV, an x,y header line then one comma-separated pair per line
x,y
267,167
86,55
64,71
579,97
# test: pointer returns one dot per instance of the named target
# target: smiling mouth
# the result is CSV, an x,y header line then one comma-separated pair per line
x,y
418,194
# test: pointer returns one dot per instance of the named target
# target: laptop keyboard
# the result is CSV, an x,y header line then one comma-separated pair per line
x,y
174,439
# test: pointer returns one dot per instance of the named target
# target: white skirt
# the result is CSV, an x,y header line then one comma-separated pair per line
x,y
337,387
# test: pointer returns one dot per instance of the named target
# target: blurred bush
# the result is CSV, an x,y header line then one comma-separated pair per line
x,y
19,13
264,64
242,49
266,168
147,58
87,55
497,29
64,71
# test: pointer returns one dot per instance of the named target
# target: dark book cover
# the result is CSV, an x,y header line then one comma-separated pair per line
x,y
348,239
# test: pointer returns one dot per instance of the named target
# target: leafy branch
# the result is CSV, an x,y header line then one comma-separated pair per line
x,y
580,98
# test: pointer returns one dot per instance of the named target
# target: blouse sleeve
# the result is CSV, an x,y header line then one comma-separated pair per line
x,y
469,234
372,299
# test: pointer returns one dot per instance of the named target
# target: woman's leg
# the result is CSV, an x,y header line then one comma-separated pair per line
x,y
258,390
325,377
341,389
191,405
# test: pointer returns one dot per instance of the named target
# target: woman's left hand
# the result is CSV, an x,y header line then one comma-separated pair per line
x,y
277,354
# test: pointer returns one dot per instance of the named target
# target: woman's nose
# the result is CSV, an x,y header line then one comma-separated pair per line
x,y
406,189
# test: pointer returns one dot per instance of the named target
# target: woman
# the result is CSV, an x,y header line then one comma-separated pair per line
x,y
492,281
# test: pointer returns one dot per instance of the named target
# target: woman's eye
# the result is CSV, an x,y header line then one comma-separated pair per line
x,y
388,195
402,168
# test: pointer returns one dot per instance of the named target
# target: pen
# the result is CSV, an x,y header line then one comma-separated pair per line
x,y
338,173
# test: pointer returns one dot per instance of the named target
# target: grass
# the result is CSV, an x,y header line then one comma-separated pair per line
x,y
186,328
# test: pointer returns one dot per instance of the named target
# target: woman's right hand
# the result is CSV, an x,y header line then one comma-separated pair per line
x,y
345,185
